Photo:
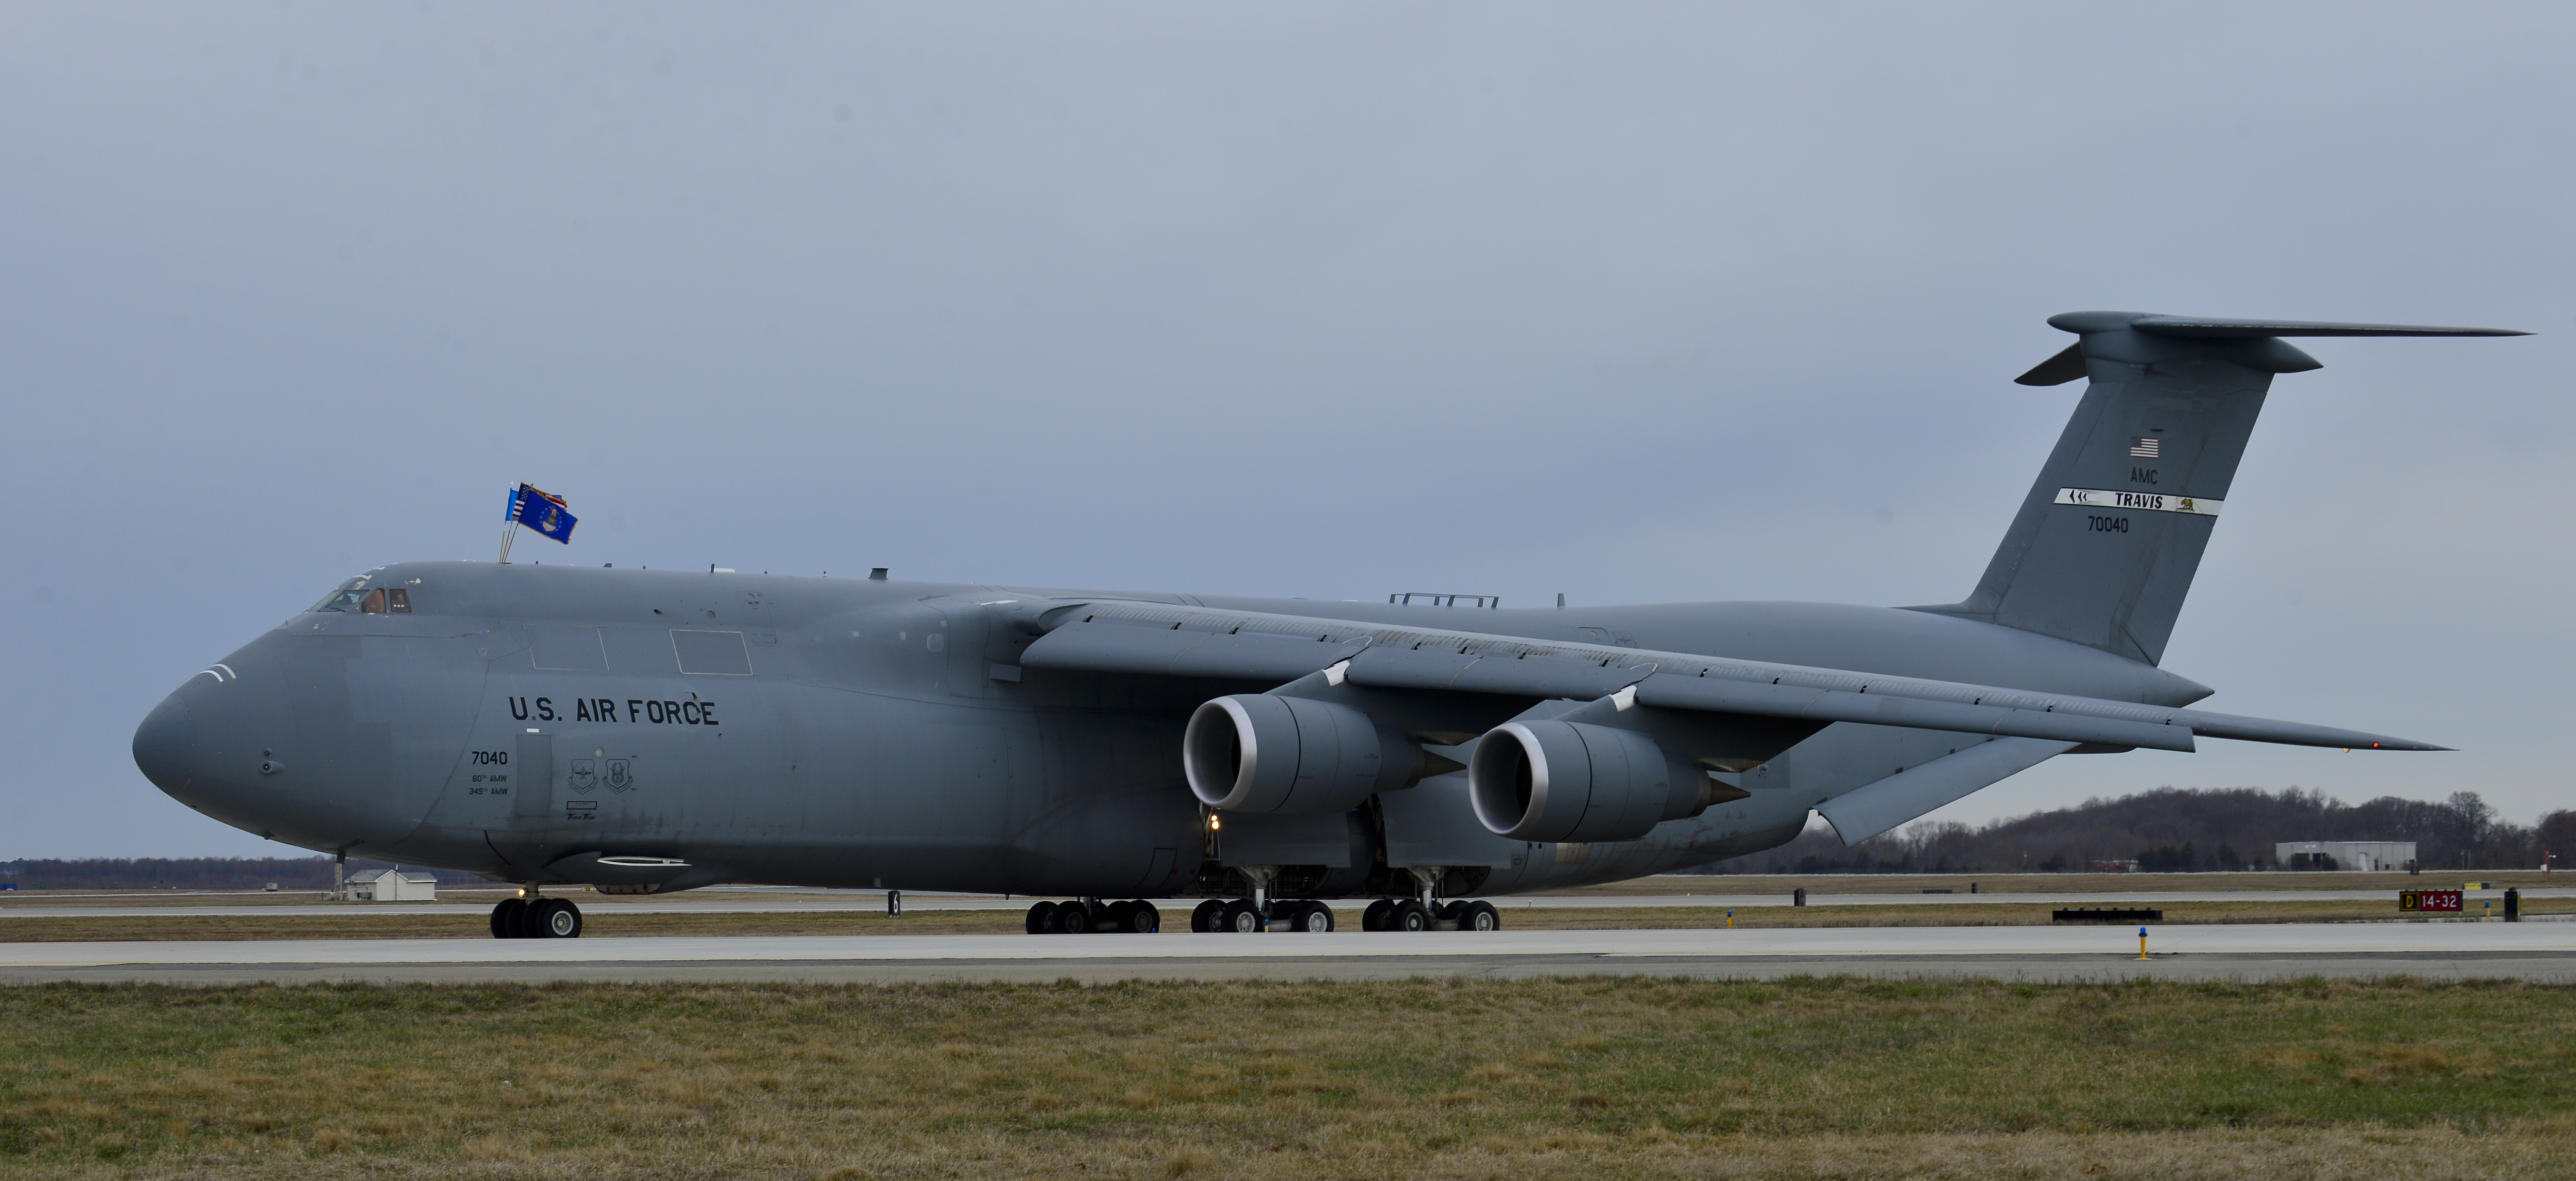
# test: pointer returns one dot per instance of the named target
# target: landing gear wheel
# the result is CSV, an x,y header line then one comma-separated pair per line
x,y
1312,918
1041,918
505,918
1481,916
1374,918
1409,915
1239,918
1450,912
555,918
1072,919
1118,914
1142,919
1203,920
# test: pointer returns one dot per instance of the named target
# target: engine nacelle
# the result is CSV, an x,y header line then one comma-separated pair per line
x,y
1259,753
1568,781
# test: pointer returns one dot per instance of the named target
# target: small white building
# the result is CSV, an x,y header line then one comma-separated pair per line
x,y
2358,856
392,885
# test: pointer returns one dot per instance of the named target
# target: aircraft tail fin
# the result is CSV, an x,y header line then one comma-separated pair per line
x,y
2105,546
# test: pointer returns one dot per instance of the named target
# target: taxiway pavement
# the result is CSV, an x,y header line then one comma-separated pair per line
x,y
2538,952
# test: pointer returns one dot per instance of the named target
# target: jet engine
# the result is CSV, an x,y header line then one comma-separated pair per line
x,y
1262,753
1569,781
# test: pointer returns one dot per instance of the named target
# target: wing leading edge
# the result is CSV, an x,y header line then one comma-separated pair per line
x,y
1154,639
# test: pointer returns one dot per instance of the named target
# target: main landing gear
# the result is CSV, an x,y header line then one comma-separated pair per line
x,y
536,918
1242,916
1083,916
1412,914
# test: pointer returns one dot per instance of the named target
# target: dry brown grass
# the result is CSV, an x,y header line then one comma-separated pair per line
x,y
1547,1078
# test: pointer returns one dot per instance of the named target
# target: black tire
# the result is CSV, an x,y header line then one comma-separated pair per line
x,y
1203,920
505,918
555,918
1117,915
1041,918
1451,912
1239,918
1481,916
523,921
1314,918
1072,919
1143,919
1374,918
1409,915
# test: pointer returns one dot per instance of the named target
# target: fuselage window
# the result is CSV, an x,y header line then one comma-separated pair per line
x,y
398,600
374,603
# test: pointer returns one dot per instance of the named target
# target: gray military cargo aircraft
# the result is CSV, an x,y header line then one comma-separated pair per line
x,y
648,730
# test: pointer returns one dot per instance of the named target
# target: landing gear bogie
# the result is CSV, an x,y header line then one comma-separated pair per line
x,y
1076,918
536,918
1411,914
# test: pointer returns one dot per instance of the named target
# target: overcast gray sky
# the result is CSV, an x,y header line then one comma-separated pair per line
x,y
1636,303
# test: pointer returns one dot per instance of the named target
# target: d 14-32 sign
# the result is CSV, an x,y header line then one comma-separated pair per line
x,y
2429,900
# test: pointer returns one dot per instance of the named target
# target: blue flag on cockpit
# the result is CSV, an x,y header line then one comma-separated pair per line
x,y
541,511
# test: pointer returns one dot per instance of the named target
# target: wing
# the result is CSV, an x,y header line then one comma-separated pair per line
x,y
1156,639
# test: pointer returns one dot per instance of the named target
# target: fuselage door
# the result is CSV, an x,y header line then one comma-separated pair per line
x,y
532,776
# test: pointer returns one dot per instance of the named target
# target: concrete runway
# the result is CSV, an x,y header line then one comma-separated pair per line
x,y
2538,952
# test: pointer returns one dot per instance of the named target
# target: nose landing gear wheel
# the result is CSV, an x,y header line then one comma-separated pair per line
x,y
506,918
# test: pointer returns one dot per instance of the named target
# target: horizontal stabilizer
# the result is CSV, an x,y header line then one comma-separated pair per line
x,y
2068,364
2203,326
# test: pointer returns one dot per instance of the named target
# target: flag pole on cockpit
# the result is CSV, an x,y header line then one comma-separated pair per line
x,y
511,514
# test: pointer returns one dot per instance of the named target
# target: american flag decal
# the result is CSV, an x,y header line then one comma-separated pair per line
x,y
2147,447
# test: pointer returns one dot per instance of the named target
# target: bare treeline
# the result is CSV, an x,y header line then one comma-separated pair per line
x,y
188,873
2175,829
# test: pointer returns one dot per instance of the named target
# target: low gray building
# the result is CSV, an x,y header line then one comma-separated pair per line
x,y
392,885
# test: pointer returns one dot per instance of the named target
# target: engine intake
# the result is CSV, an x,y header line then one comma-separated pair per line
x,y
1568,781
1260,753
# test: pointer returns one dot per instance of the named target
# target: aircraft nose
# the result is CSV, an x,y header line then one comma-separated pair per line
x,y
165,745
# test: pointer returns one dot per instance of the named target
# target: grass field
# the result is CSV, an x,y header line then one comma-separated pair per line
x,y
1558,1078
608,921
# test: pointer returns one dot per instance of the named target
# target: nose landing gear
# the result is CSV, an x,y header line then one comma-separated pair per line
x,y
536,918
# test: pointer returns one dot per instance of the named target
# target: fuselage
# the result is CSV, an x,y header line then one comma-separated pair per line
x,y
554,723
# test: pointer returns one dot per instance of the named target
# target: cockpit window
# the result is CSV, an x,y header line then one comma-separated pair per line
x,y
347,598
354,595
